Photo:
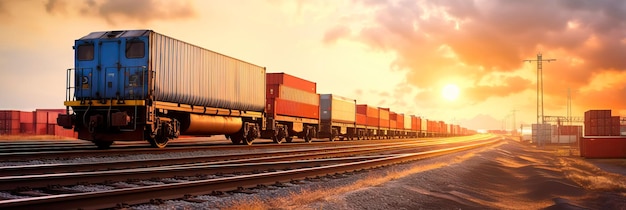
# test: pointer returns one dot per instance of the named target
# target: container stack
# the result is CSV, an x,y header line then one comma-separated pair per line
x,y
383,117
370,113
602,136
393,120
39,122
601,123
291,96
9,122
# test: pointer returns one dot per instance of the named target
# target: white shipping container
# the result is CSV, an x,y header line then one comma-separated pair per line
x,y
189,74
424,124
297,95
337,108
407,122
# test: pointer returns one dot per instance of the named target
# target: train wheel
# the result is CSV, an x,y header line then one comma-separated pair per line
x,y
159,141
278,137
249,141
103,144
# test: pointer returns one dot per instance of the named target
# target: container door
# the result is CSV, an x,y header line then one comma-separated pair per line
x,y
110,63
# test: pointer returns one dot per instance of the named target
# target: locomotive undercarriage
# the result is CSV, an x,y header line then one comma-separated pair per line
x,y
104,125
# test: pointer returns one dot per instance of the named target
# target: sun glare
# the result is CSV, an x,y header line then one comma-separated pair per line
x,y
450,92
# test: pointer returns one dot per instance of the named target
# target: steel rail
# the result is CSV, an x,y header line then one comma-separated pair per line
x,y
70,152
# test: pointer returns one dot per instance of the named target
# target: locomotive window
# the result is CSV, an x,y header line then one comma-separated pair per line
x,y
135,49
85,52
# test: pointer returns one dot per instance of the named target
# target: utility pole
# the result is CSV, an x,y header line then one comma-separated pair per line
x,y
540,95
540,84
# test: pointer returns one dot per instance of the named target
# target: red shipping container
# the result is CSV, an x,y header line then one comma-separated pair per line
x,y
41,128
68,133
361,109
278,106
400,121
50,128
27,128
393,120
291,81
604,147
393,116
615,130
615,120
414,125
361,119
9,115
10,126
27,117
46,116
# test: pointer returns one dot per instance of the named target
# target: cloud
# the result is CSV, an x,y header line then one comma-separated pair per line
x,y
119,11
484,43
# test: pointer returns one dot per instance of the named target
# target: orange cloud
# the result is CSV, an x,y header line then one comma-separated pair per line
x,y
487,42
117,11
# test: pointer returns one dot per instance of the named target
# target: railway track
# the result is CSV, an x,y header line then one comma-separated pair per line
x,y
244,172
39,152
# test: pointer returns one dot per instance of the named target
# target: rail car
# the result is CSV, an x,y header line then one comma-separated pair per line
x,y
139,85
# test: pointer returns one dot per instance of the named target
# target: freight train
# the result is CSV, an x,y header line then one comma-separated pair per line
x,y
137,85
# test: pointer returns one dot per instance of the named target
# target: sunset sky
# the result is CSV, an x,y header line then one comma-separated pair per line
x,y
397,54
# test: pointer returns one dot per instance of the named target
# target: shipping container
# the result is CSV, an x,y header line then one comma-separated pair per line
x,y
278,106
393,120
383,117
400,121
416,123
292,94
370,112
27,117
337,109
41,128
27,128
9,114
183,73
10,126
291,81
603,147
67,133
361,119
408,122
47,115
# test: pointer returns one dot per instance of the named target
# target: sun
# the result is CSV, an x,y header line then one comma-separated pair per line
x,y
450,92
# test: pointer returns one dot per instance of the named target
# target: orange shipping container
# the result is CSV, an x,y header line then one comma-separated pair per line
x,y
279,106
291,81
361,119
